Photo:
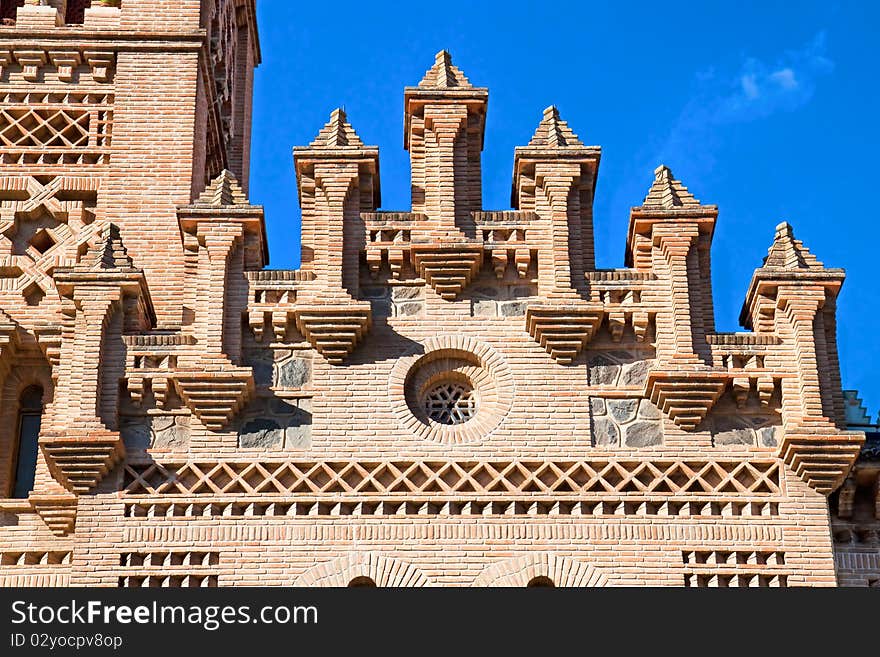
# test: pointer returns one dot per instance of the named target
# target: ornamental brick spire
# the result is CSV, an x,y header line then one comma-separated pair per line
x,y
110,252
444,127
224,190
337,133
444,74
667,192
788,252
553,132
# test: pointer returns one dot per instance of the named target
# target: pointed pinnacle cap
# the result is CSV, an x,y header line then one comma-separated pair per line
x,y
109,252
337,133
553,132
788,252
224,190
668,193
444,74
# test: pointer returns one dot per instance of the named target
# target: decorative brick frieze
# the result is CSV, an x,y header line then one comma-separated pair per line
x,y
449,478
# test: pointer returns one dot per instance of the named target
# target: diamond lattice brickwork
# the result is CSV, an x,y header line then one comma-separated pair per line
x,y
55,128
441,478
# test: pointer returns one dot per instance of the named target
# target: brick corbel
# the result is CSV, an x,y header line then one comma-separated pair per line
x,y
338,179
102,64
31,61
79,440
812,446
66,62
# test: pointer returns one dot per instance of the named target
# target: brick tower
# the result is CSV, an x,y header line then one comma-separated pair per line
x,y
444,395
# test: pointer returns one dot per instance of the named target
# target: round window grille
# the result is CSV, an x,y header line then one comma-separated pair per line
x,y
451,403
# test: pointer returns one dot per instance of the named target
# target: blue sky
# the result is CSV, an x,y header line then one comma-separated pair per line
x,y
767,109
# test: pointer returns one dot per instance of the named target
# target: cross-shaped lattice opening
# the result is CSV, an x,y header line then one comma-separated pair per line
x,y
451,402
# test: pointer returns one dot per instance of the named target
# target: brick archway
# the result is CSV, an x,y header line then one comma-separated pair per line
x,y
562,571
384,571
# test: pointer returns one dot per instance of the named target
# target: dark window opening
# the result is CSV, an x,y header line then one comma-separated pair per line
x,y
361,582
76,11
540,582
30,411
8,9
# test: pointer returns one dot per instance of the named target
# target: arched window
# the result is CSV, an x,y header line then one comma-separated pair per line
x,y
30,410
540,582
362,582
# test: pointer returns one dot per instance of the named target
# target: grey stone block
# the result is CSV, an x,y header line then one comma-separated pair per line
x,y
170,432
767,436
406,292
262,372
514,308
298,437
644,434
410,308
483,308
603,371
648,411
742,436
605,432
294,373
597,405
635,374
623,410
136,434
261,433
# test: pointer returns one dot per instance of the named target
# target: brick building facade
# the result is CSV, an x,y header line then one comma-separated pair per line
x,y
441,396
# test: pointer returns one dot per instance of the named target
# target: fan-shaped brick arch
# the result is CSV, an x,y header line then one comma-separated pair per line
x,y
384,571
562,571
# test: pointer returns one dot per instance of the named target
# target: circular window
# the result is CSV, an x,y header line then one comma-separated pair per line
x,y
451,402
457,391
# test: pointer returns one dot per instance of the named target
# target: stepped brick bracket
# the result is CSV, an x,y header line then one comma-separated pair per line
x,y
334,329
794,295
448,268
819,455
58,511
215,395
686,397
563,330
80,461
